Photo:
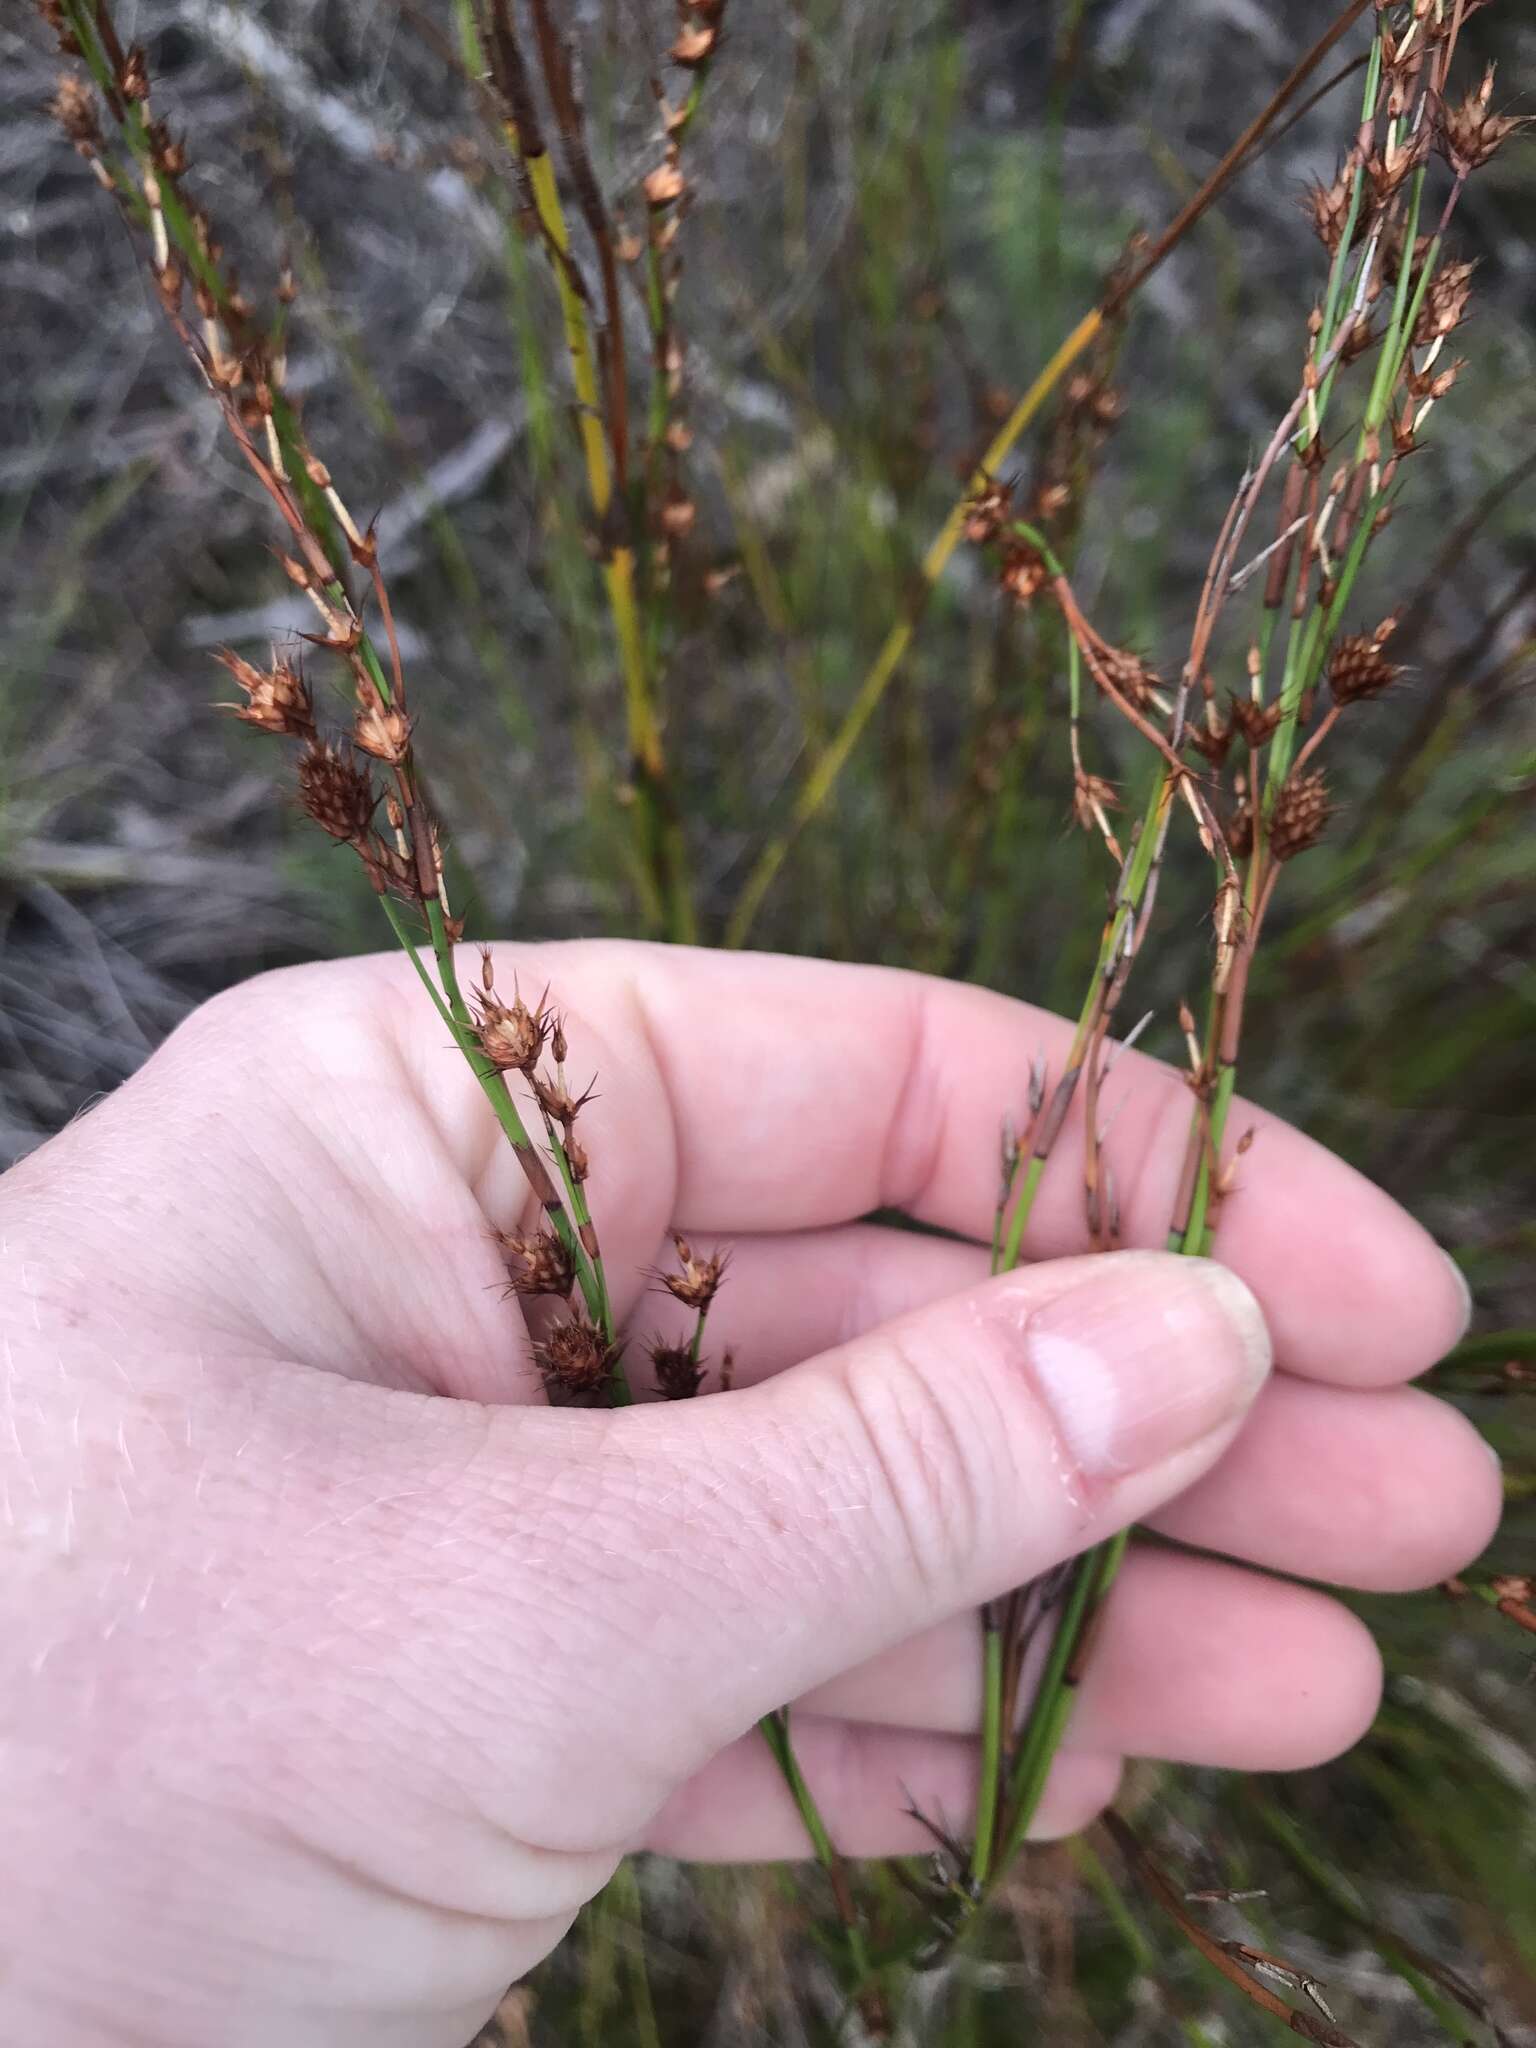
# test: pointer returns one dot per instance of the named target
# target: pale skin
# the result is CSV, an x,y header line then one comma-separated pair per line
x,y
337,1670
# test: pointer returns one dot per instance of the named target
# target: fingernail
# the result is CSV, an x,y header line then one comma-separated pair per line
x,y
1147,1355
1464,1289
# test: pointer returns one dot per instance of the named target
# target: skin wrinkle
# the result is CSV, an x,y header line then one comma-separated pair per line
x,y
924,1456
915,1136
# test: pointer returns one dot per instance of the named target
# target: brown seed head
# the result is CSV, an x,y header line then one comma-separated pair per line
x,y
1359,669
1469,134
1212,736
576,1158
678,513
1328,208
336,792
1133,678
511,1039
695,45
133,75
1240,830
985,510
1092,795
1024,573
1254,721
1445,303
677,1377
665,185
698,1280
540,1264
1300,815
382,730
73,106
277,699
574,1358
557,1101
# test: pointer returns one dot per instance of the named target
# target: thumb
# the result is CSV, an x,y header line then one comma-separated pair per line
x,y
930,1465
624,1593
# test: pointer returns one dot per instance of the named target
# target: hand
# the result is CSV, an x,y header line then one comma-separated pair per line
x,y
338,1670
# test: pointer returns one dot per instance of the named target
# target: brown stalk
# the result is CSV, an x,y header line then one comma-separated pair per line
x,y
1230,1958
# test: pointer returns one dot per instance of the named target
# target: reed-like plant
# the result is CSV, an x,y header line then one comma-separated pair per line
x,y
1233,747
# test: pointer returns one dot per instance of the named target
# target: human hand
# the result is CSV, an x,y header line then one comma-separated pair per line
x,y
338,1670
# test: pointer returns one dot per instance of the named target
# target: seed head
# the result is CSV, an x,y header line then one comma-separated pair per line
x,y
336,792
1240,830
382,730
1092,797
1254,721
576,1158
1212,736
1301,814
73,106
540,1264
1469,134
1134,679
1445,303
1024,573
557,1101
133,75
277,699
985,510
1328,208
666,184
1359,669
677,1377
574,1358
512,1039
698,1280
678,513
695,45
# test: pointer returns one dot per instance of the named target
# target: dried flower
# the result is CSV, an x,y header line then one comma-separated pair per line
x,y
557,1101
1134,679
678,513
677,1376
1445,303
544,1265
380,729
1468,135
694,46
73,106
512,1039
985,510
1092,797
1024,573
1212,736
698,1282
574,1358
1301,814
1358,668
665,184
336,792
1254,721
277,699
1328,207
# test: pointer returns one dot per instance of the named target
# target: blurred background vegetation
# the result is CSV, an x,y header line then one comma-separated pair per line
x,y
900,207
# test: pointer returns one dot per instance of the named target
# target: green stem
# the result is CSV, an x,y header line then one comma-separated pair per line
x,y
991,1745
774,1729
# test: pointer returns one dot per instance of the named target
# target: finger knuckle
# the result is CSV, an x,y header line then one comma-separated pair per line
x,y
924,1452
